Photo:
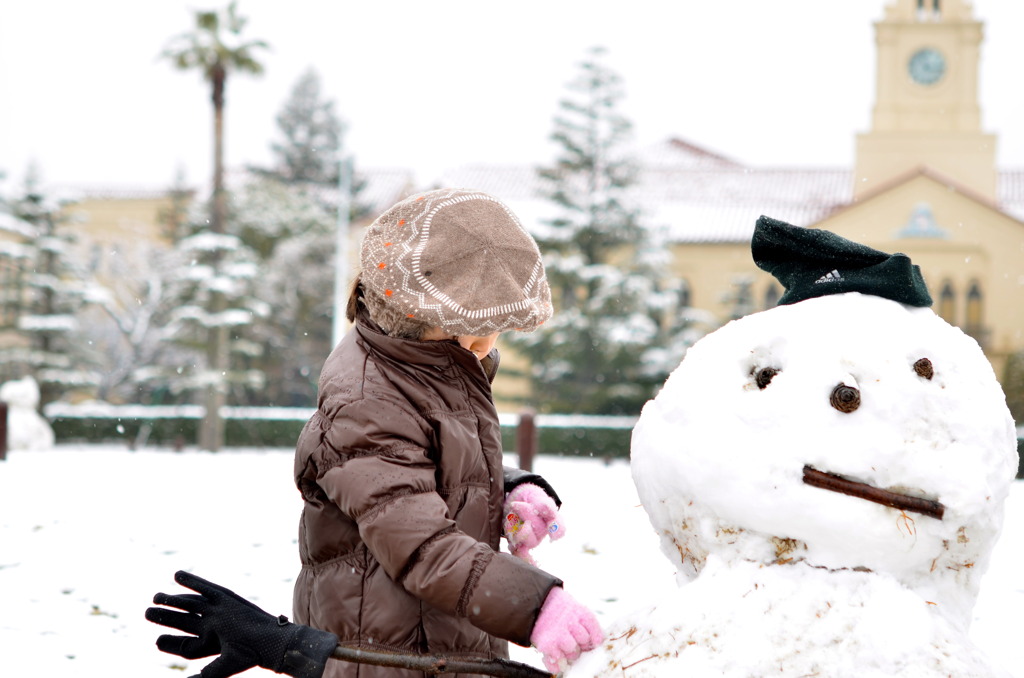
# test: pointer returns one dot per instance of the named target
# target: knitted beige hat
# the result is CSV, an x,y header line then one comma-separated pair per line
x,y
455,259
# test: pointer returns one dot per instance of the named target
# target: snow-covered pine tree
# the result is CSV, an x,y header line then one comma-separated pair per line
x,y
212,293
290,228
617,329
310,151
50,292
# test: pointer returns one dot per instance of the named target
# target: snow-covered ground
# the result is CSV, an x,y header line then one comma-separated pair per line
x,y
89,533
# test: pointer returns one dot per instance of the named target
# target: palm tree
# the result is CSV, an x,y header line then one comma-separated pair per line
x,y
216,49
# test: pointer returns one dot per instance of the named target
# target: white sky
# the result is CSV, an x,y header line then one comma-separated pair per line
x,y
436,84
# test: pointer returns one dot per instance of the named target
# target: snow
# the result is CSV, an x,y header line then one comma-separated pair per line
x,y
210,242
764,574
89,533
47,323
14,250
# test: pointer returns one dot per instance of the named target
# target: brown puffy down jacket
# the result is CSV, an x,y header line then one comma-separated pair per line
x,y
401,474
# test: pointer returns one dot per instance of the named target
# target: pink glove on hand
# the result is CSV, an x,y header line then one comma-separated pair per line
x,y
563,630
530,515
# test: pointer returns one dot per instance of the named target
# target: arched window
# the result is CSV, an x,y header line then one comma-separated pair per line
x,y
947,303
929,9
975,325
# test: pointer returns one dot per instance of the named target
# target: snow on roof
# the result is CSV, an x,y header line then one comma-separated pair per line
x,y
80,192
382,188
685,192
511,183
722,205
688,194
678,154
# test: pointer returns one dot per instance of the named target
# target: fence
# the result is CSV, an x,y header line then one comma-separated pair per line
x,y
176,425
527,433
3,431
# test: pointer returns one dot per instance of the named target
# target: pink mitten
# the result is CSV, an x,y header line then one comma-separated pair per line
x,y
530,515
563,630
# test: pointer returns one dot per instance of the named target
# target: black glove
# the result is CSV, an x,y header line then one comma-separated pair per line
x,y
222,622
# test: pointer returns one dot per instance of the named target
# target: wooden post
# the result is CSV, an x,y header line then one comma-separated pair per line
x,y
3,431
526,439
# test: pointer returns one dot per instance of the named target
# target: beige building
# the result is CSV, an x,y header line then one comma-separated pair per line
x,y
925,180
116,232
925,183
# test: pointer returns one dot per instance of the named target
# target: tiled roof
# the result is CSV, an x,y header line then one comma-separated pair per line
x,y
722,205
688,194
679,154
685,193
382,187
78,192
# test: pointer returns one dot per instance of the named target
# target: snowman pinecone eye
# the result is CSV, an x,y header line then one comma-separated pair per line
x,y
924,368
845,398
763,377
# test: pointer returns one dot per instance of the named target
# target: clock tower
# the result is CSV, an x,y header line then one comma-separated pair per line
x,y
926,110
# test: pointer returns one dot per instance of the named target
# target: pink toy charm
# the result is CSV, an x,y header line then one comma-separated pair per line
x,y
564,629
530,515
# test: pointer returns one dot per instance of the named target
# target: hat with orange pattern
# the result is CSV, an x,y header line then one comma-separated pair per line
x,y
456,259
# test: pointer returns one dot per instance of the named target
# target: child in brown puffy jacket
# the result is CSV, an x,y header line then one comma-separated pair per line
x,y
400,468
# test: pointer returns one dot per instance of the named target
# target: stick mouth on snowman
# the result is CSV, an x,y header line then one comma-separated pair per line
x,y
853,488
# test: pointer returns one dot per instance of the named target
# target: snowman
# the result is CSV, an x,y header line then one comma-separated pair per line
x,y
26,428
827,477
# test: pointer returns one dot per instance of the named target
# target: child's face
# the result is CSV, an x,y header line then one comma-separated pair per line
x,y
480,346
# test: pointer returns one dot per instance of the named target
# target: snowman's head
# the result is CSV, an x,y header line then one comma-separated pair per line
x,y
845,431
20,393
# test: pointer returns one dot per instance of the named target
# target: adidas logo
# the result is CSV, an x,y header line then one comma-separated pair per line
x,y
831,276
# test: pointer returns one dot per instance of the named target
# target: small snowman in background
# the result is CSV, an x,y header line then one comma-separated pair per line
x,y
828,478
26,428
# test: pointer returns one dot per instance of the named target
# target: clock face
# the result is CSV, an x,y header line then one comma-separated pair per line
x,y
927,66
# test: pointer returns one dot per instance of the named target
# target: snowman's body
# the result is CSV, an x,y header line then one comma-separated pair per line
x,y
780,577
